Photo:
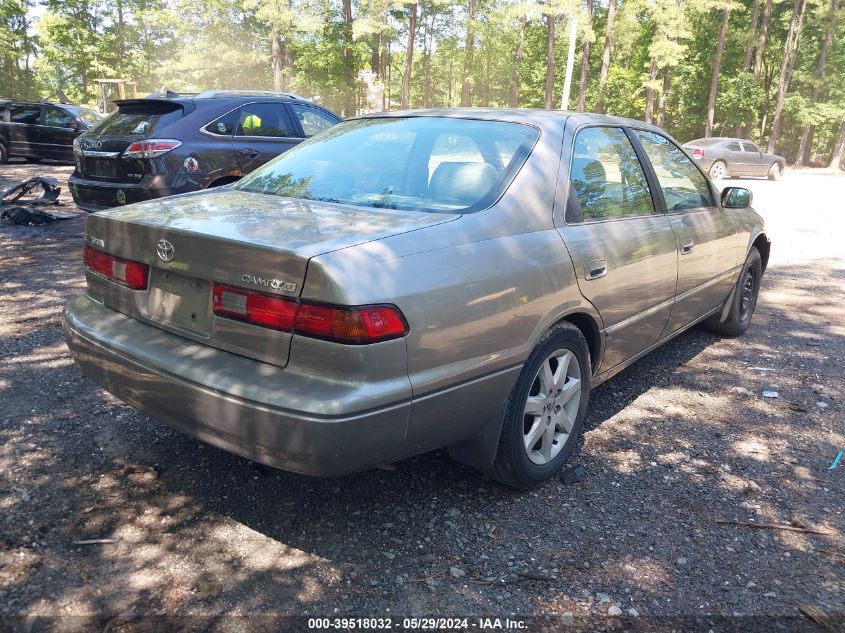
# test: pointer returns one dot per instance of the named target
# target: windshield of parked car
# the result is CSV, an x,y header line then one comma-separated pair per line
x,y
420,163
91,117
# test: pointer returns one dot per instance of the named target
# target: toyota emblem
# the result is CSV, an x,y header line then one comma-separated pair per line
x,y
165,250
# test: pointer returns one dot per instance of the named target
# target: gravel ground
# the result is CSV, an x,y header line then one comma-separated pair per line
x,y
674,445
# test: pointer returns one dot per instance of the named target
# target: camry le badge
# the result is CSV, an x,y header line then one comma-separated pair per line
x,y
165,250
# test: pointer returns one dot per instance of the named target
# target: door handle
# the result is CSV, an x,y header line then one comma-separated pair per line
x,y
249,152
687,247
595,268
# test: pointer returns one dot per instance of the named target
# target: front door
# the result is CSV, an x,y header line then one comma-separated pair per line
x,y
263,132
57,133
705,233
621,244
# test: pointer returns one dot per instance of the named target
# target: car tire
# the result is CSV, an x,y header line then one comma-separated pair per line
x,y
718,170
534,445
744,298
775,171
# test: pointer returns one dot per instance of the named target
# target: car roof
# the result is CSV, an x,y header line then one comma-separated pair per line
x,y
538,117
218,96
7,100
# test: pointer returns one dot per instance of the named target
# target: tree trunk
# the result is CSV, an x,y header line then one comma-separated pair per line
x,y
790,50
350,106
427,62
409,58
550,59
605,58
121,41
664,95
809,129
278,62
838,158
649,90
749,45
466,87
761,39
585,62
517,63
375,55
714,78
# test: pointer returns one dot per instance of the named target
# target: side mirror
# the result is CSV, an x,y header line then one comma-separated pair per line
x,y
736,198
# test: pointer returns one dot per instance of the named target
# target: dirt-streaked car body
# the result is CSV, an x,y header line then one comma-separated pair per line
x,y
464,288
735,157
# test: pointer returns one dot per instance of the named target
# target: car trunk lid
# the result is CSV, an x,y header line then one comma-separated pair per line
x,y
245,240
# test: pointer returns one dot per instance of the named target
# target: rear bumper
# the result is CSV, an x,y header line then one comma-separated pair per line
x,y
211,395
96,195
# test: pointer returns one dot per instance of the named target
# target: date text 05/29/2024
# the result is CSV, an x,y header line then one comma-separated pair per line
x,y
417,624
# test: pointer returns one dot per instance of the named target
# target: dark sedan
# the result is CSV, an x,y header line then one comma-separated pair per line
x,y
734,158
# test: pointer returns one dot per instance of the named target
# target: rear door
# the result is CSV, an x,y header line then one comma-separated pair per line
x,y
264,131
24,120
736,159
754,161
620,242
705,234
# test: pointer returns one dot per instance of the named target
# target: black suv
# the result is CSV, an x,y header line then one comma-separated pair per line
x,y
39,129
166,144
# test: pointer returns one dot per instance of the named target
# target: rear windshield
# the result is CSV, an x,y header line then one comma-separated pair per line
x,y
418,163
130,119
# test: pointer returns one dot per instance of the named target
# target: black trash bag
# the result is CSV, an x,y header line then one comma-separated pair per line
x,y
50,191
26,217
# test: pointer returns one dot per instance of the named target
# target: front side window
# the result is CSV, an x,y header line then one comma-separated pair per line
x,y
312,120
437,164
683,185
607,180
25,114
59,118
750,147
265,119
734,147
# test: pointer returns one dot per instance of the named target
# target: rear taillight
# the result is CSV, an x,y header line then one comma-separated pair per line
x,y
127,273
697,153
254,307
152,148
357,325
362,324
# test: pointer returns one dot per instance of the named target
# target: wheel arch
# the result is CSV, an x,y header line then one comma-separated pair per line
x,y
762,243
480,451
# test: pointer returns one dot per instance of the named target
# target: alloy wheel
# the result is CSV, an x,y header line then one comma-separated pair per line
x,y
552,406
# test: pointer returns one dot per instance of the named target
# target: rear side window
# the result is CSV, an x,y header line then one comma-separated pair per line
x,y
607,180
25,114
683,185
140,119
313,121
265,119
225,125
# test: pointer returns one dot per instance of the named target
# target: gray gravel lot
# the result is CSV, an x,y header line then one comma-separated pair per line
x,y
675,444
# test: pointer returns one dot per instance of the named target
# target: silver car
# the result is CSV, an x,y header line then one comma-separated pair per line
x,y
734,158
404,282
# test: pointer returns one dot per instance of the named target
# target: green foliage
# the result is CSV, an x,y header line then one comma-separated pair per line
x,y
193,45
